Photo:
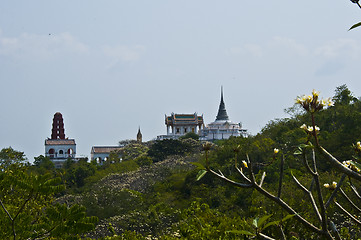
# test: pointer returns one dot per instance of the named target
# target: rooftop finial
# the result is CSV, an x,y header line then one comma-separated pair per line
x,y
222,113
221,93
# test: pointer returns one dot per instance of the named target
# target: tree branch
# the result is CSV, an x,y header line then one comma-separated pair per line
x,y
349,200
355,190
348,214
333,195
6,211
243,176
288,209
304,158
263,236
313,203
243,185
322,206
338,165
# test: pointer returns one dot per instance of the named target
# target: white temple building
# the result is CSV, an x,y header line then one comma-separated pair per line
x,y
181,124
222,127
101,153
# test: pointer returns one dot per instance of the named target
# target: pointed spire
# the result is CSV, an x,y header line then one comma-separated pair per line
x,y
222,113
139,135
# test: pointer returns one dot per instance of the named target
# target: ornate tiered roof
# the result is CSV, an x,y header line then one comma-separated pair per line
x,y
183,119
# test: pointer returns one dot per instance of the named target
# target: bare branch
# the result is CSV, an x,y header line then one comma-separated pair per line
x,y
349,200
333,195
282,232
309,193
304,158
288,209
338,165
243,185
263,236
355,190
243,176
348,214
320,200
250,169
6,211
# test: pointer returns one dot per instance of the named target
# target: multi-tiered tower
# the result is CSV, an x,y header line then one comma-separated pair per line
x,y
58,148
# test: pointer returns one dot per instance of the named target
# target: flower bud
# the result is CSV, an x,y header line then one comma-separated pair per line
x,y
244,163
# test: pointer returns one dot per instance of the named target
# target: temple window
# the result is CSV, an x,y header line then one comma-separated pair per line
x,y
178,130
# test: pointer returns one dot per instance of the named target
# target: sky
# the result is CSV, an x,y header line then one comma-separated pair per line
x,y
113,66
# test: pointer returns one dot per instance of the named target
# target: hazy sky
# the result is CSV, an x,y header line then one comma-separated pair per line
x,y
111,66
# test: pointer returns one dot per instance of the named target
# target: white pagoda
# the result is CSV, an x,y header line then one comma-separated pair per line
x,y
222,127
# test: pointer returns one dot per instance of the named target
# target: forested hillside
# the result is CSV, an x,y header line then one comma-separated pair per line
x,y
278,184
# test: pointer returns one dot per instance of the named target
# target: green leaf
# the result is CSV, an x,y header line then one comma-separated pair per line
x,y
297,152
287,217
355,26
243,232
199,165
263,219
277,222
271,224
302,146
200,174
309,145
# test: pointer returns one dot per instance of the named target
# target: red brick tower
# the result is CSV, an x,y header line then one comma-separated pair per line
x,y
58,131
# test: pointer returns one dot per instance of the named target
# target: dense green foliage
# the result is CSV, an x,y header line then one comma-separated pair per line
x,y
160,150
151,189
27,211
9,156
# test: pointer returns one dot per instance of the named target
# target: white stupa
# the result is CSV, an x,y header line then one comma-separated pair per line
x,y
222,127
